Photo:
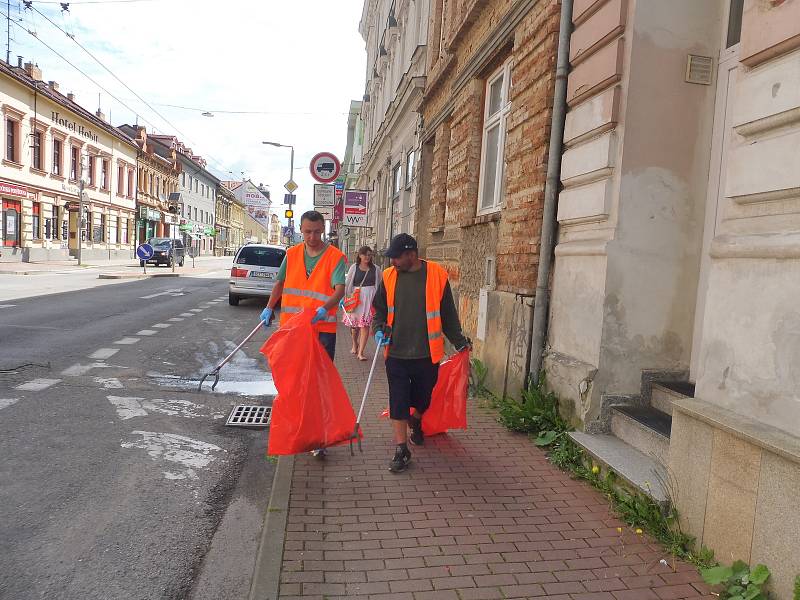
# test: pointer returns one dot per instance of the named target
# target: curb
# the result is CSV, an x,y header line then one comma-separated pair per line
x,y
135,275
266,581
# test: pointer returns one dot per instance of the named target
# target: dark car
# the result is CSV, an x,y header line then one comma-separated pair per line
x,y
165,250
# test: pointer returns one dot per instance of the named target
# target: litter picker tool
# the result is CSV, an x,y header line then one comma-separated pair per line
x,y
225,360
357,429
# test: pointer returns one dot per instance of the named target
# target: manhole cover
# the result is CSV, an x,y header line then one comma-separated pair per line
x,y
245,415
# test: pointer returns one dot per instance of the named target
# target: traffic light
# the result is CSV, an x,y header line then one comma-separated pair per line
x,y
289,213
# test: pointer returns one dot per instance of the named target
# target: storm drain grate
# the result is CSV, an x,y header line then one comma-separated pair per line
x,y
245,415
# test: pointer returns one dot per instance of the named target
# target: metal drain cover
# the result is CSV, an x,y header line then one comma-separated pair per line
x,y
246,415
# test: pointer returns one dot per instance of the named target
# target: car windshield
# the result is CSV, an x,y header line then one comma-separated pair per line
x,y
160,242
262,257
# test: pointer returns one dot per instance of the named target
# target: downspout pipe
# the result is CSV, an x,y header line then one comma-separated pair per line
x,y
549,225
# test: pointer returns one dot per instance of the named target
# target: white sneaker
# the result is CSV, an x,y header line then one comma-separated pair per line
x,y
319,453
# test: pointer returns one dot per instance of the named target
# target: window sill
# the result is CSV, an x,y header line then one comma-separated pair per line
x,y
41,172
11,163
57,176
492,217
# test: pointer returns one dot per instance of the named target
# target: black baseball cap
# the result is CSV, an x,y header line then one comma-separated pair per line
x,y
399,244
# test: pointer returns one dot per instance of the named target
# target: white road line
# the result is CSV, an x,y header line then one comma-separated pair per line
x,y
37,385
78,370
146,332
175,319
7,305
176,292
104,353
126,341
109,383
5,402
196,310
186,315
160,325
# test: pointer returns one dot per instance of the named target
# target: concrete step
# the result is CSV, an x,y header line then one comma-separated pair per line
x,y
644,428
639,471
663,394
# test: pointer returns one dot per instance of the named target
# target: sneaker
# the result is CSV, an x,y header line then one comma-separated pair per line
x,y
417,437
320,453
400,461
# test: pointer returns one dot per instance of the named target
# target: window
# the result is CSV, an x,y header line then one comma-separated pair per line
x,y
91,171
11,140
130,183
113,230
37,150
37,220
494,135
151,184
54,230
409,168
57,145
102,232
124,231
183,179
190,182
735,23
120,180
201,217
104,174
397,179
195,213
74,164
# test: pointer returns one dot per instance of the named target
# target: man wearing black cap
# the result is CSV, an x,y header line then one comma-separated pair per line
x,y
414,309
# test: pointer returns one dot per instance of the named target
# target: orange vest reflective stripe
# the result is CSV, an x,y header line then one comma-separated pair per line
x,y
301,292
435,282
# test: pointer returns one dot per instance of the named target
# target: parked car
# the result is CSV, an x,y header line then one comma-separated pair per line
x,y
165,250
255,267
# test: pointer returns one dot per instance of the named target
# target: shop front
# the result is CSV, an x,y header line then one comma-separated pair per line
x,y
11,222
149,224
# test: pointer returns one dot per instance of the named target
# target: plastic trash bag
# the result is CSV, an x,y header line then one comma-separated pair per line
x,y
312,409
448,408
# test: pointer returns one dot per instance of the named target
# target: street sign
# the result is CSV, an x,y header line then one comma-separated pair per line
x,y
355,208
325,211
289,199
323,195
192,251
144,252
325,167
290,186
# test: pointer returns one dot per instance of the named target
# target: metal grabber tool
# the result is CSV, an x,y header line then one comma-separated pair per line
x,y
225,361
357,429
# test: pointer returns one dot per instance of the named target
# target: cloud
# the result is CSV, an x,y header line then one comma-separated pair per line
x,y
273,56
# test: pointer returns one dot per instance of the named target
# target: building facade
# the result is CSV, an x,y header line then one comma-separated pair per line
x,y
157,179
236,238
222,222
396,33
197,195
274,229
676,270
482,168
352,238
50,142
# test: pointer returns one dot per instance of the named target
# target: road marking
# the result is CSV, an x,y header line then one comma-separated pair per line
x,y
186,452
161,325
5,402
7,305
37,385
196,310
146,332
127,341
104,353
186,315
109,383
79,370
176,292
134,406
127,408
175,319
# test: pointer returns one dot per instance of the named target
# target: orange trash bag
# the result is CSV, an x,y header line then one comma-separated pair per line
x,y
448,409
312,409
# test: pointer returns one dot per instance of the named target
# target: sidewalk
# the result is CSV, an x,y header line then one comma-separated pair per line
x,y
480,514
121,266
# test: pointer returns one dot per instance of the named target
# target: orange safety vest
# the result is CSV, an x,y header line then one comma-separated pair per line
x,y
435,282
301,292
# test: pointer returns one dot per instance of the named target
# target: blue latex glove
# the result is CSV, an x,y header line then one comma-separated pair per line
x,y
380,340
320,315
265,317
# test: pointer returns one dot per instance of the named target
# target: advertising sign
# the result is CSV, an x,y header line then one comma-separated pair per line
x,y
323,195
354,208
256,203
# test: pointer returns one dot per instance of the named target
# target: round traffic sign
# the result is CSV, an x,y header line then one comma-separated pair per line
x,y
325,167
144,252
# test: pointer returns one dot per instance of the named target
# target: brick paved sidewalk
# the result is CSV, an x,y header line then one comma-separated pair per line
x,y
480,514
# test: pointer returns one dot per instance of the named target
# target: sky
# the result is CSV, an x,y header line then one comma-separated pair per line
x,y
299,62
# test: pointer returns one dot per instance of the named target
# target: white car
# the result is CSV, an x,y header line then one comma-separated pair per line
x,y
254,270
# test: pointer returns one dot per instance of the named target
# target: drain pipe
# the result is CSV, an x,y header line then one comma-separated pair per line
x,y
539,326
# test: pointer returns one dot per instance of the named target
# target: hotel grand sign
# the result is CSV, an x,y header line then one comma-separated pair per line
x,y
73,126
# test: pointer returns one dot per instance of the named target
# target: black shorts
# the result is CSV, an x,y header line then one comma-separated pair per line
x,y
410,385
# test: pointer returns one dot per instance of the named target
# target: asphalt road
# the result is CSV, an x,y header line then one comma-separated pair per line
x,y
116,474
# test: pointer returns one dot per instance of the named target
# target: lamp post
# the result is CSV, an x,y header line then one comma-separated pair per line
x,y
84,166
290,224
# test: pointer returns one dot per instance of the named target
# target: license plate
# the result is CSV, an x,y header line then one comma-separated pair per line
x,y
261,274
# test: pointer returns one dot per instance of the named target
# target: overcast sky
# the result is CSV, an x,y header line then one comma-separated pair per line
x,y
301,61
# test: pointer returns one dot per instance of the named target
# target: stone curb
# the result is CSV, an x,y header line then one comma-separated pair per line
x,y
266,581
135,275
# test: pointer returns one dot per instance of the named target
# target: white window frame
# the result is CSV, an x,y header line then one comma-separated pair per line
x,y
500,118
411,163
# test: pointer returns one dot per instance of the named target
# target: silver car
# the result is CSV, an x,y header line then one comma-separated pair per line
x,y
254,270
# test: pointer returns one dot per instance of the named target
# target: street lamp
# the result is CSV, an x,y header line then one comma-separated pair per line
x,y
290,224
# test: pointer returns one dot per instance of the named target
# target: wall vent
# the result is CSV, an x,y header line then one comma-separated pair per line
x,y
699,69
